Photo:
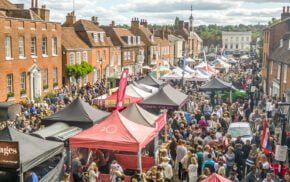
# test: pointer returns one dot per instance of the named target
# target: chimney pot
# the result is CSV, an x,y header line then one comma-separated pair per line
x,y
32,3
36,3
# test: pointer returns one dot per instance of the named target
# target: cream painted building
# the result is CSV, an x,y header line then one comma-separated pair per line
x,y
237,41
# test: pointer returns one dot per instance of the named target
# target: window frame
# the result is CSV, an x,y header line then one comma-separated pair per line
x,y
21,47
9,83
72,55
23,81
54,46
44,46
8,47
33,47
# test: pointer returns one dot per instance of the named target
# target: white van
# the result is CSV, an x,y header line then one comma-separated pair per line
x,y
241,129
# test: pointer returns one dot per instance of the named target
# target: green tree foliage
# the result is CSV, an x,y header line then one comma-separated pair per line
x,y
79,70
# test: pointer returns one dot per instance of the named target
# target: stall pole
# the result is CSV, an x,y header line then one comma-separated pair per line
x,y
21,173
140,160
156,142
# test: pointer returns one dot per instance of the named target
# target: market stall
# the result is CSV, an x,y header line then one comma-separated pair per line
x,y
151,81
78,113
30,153
167,98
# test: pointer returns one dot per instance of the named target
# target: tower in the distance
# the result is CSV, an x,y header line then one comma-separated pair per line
x,y
191,26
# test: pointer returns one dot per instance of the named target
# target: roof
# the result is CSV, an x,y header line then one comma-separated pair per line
x,y
33,151
174,38
23,14
217,84
70,39
115,133
282,54
167,96
197,37
116,35
162,42
78,113
151,81
86,25
90,27
139,115
57,132
147,34
134,91
4,4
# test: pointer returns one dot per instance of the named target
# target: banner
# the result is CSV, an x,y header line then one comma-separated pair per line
x,y
122,89
9,154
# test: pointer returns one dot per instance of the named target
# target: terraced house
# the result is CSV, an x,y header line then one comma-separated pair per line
x,y
30,52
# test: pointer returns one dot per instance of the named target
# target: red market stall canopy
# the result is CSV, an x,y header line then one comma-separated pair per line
x,y
115,133
166,98
216,178
139,115
111,101
78,113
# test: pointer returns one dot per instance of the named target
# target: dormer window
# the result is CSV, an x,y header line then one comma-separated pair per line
x,y
129,40
139,40
101,36
95,36
281,42
152,38
134,40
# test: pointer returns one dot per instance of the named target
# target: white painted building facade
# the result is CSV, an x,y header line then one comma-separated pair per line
x,y
237,41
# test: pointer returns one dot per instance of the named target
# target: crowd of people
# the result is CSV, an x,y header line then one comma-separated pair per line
x,y
190,149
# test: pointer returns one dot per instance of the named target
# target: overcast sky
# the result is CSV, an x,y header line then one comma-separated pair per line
x,y
164,11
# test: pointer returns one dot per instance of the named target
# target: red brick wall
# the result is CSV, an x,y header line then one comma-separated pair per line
x,y
27,28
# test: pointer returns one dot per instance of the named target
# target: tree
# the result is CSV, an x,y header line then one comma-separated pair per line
x,y
79,70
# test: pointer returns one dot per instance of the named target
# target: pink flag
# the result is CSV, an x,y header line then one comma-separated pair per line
x,y
122,90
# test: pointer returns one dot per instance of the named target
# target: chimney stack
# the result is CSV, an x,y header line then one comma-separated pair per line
x,y
135,25
286,13
95,20
70,19
32,3
113,24
36,3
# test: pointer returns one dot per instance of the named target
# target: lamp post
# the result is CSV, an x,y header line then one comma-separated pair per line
x,y
284,116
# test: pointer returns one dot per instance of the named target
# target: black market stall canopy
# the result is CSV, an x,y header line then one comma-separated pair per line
x,y
78,113
32,151
151,81
57,132
166,98
8,110
139,115
217,84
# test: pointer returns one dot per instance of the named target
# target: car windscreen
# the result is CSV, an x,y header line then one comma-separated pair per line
x,y
240,131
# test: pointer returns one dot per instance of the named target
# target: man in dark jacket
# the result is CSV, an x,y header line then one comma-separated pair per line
x,y
239,160
251,177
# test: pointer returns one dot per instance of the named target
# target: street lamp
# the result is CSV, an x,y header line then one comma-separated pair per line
x,y
284,116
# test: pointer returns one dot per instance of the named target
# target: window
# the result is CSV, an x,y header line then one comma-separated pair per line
x,y
8,53
54,77
78,58
21,47
271,68
54,46
97,55
285,73
33,46
45,79
10,84
104,55
232,46
281,42
129,40
95,37
44,46
226,46
237,46
128,55
125,55
138,39
72,58
22,82
237,38
279,71
101,36
85,56
242,38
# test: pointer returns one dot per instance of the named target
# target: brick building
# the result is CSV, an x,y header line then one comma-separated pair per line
x,y
30,52
151,52
132,48
276,55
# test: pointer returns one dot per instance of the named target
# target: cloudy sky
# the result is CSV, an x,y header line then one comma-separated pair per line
x,y
164,11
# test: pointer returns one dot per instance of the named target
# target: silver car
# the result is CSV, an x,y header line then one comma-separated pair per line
x,y
241,129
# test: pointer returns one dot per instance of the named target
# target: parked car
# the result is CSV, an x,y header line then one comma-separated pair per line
x,y
241,129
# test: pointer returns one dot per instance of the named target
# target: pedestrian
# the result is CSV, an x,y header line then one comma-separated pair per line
x,y
192,170
93,172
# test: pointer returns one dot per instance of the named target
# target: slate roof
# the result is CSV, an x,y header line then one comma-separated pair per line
x,y
70,39
282,54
